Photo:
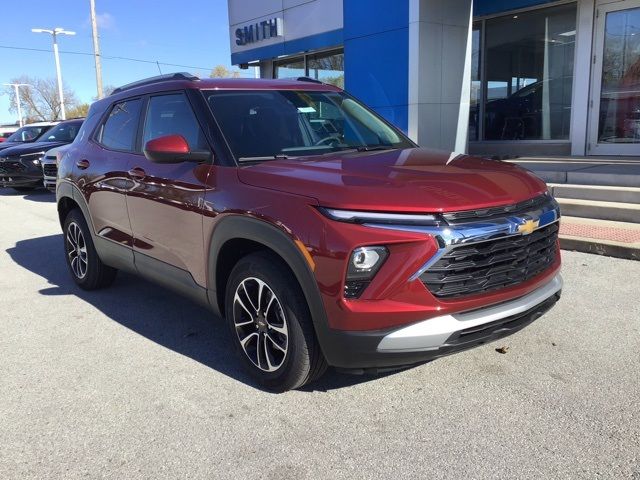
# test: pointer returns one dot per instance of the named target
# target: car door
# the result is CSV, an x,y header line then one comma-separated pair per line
x,y
165,200
102,173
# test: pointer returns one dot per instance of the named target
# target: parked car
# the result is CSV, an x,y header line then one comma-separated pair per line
x,y
50,166
27,134
20,166
321,233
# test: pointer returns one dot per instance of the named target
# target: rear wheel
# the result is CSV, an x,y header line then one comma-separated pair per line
x,y
270,324
85,266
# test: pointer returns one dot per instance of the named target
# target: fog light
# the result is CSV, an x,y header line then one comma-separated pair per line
x,y
36,162
365,259
364,263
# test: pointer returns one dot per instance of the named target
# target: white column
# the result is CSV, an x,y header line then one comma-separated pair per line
x,y
580,109
440,43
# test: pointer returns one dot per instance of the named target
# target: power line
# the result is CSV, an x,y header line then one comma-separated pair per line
x,y
107,57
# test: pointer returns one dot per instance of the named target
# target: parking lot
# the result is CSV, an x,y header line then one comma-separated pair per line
x,y
136,382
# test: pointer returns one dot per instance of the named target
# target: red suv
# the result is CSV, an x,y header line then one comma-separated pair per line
x,y
319,231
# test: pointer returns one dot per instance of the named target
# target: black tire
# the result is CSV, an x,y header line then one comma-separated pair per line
x,y
88,272
24,189
303,360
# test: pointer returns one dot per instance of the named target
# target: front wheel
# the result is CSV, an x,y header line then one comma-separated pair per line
x,y
270,324
85,266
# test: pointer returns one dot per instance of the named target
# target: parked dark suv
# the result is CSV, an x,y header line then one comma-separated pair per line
x,y
320,232
21,165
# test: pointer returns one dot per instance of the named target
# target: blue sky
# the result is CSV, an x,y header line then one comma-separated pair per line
x,y
191,32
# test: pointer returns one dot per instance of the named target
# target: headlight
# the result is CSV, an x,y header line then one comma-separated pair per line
x,y
354,216
33,157
364,263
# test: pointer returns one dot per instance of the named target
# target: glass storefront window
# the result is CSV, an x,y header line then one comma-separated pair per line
x,y
619,120
290,68
328,68
528,75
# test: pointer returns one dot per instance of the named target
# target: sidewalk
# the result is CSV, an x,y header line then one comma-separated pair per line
x,y
602,237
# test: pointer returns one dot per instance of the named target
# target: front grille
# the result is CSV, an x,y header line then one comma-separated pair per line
x,y
11,168
50,169
495,212
492,265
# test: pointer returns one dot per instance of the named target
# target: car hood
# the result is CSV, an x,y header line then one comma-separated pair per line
x,y
27,148
5,145
411,180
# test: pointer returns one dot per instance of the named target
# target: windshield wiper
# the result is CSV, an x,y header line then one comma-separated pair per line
x,y
365,148
278,156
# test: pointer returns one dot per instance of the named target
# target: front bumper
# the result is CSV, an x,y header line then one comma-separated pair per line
x,y
436,337
17,174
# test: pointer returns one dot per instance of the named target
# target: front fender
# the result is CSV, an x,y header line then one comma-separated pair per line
x,y
233,227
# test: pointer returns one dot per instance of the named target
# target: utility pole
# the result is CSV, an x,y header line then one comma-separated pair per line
x,y
54,33
96,49
16,87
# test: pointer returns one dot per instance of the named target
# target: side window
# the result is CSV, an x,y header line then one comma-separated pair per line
x,y
172,115
120,129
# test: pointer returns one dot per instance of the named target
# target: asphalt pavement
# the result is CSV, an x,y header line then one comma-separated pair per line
x,y
135,382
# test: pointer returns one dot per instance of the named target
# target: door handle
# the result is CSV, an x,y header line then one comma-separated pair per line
x,y
137,173
82,164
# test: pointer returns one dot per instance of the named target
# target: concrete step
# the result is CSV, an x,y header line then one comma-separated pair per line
x,y
585,173
619,212
601,237
596,192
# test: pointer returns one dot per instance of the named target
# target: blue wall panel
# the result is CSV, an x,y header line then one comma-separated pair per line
x,y
490,7
367,17
376,54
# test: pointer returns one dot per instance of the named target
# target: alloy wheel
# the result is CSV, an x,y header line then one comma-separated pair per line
x,y
260,324
76,250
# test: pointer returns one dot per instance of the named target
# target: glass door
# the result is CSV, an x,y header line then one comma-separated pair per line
x,y
615,112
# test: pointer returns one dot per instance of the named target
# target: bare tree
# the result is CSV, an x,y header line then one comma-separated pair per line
x,y
221,71
40,100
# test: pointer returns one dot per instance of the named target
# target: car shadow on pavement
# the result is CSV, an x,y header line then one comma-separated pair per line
x,y
40,195
153,312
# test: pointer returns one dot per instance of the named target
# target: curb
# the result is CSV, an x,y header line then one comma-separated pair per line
x,y
600,247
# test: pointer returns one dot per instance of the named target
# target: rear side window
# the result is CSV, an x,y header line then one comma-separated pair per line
x,y
119,130
172,115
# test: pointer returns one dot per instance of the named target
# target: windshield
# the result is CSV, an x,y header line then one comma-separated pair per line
x,y
63,132
268,124
28,133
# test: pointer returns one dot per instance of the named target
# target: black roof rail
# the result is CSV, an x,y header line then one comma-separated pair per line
x,y
309,79
156,79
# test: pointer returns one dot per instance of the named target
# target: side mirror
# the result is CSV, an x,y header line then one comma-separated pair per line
x,y
172,149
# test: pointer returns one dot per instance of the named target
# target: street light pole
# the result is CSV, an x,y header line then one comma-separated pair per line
x,y
96,49
54,33
59,76
16,87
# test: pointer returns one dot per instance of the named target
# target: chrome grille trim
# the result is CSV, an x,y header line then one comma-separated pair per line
x,y
453,235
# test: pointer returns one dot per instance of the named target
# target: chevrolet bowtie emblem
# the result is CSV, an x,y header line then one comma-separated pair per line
x,y
528,227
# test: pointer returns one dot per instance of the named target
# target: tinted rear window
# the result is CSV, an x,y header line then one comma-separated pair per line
x,y
121,127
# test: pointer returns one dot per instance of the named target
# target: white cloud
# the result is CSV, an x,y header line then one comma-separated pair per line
x,y
105,21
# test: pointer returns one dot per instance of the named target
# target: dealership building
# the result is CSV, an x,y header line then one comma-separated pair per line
x,y
500,77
